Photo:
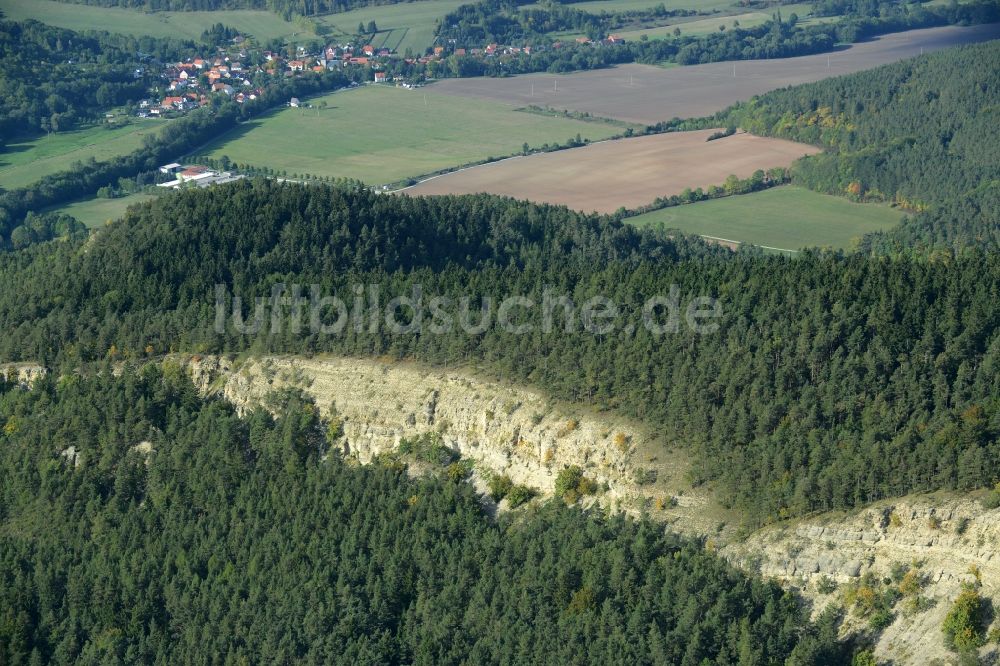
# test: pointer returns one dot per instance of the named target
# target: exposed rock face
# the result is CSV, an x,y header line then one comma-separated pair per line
x,y
71,456
951,539
24,374
507,430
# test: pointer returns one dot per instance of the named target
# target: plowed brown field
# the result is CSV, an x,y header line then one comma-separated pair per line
x,y
629,172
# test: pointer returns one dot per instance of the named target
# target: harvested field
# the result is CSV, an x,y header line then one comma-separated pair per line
x,y
629,172
648,94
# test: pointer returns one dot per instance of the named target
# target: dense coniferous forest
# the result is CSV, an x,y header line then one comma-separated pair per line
x,y
140,524
921,132
832,381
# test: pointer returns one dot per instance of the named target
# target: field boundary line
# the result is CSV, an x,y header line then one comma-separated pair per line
x,y
730,240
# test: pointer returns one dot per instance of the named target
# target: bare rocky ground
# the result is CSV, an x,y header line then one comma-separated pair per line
x,y
947,539
502,429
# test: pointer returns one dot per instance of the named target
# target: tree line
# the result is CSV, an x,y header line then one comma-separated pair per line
x,y
523,21
286,8
778,38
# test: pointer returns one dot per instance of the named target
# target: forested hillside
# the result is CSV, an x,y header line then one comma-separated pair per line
x,y
53,79
832,381
921,132
139,524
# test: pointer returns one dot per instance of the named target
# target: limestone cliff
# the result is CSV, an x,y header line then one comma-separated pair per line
x,y
24,374
946,540
503,429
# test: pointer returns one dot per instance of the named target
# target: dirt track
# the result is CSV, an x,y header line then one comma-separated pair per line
x,y
647,94
629,172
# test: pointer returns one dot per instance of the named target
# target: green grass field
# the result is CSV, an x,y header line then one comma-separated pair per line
x,y
183,25
786,217
26,161
401,26
381,134
625,5
96,212
700,27
708,25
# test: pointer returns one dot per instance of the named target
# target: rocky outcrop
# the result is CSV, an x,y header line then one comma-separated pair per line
x,y
950,540
25,374
503,429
